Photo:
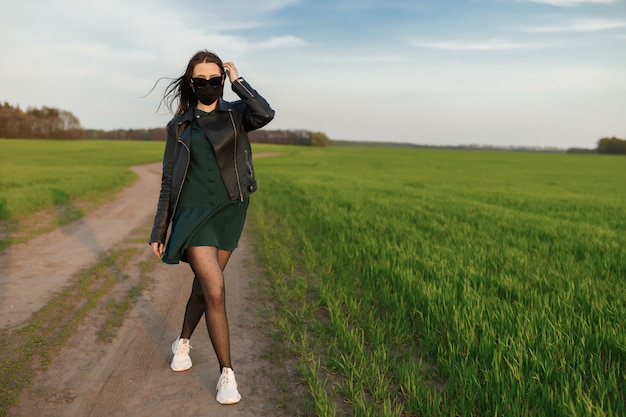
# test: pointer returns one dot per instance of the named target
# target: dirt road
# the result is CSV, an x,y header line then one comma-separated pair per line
x,y
130,376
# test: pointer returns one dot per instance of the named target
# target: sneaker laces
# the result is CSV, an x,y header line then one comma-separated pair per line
x,y
183,348
225,378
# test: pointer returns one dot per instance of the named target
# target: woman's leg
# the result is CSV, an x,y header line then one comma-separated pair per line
x,y
204,261
195,305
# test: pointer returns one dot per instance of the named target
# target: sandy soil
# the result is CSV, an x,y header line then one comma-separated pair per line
x,y
130,376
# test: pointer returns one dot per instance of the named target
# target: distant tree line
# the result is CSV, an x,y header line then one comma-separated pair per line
x,y
158,133
607,146
282,137
612,146
44,122
51,123
289,137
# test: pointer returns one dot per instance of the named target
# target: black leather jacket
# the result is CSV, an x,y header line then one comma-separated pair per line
x,y
227,132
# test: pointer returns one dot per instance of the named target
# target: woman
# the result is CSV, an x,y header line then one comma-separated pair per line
x,y
206,183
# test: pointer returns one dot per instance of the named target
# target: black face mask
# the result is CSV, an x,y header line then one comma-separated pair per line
x,y
206,92
208,95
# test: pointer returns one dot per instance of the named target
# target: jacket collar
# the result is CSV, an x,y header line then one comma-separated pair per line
x,y
222,105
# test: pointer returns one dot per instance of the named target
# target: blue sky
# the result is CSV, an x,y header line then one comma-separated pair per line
x,y
548,73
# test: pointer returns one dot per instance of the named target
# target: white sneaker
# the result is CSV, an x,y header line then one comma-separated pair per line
x,y
227,388
181,360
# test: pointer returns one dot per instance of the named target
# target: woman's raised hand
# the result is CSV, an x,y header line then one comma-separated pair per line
x,y
231,70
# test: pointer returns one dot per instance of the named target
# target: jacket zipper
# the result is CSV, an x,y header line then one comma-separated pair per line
x,y
232,121
245,88
184,176
248,163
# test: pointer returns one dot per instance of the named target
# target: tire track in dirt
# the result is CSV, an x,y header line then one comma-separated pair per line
x,y
35,270
130,376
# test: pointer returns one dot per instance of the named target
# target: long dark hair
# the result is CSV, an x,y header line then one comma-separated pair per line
x,y
180,88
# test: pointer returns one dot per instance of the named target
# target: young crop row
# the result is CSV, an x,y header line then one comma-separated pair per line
x,y
427,283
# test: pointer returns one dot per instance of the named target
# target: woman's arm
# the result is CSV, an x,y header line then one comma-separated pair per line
x,y
258,112
162,217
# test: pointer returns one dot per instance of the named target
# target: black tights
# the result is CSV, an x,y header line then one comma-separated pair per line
x,y
208,264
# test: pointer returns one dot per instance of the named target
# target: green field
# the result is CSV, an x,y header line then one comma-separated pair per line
x,y
411,282
38,173
441,283
61,180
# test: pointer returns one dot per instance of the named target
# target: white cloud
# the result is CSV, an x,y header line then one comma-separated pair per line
x,y
261,6
570,3
100,59
588,25
487,45
281,42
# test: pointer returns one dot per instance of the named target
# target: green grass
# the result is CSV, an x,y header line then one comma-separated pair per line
x,y
36,174
437,282
41,173
48,183
407,282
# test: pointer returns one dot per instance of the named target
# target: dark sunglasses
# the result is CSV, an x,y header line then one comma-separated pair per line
x,y
202,82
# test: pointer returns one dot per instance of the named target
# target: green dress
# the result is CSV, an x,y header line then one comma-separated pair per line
x,y
205,215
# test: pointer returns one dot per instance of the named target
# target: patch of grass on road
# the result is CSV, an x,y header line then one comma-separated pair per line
x,y
103,292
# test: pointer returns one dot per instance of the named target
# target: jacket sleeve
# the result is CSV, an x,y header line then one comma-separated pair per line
x,y
258,112
162,217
